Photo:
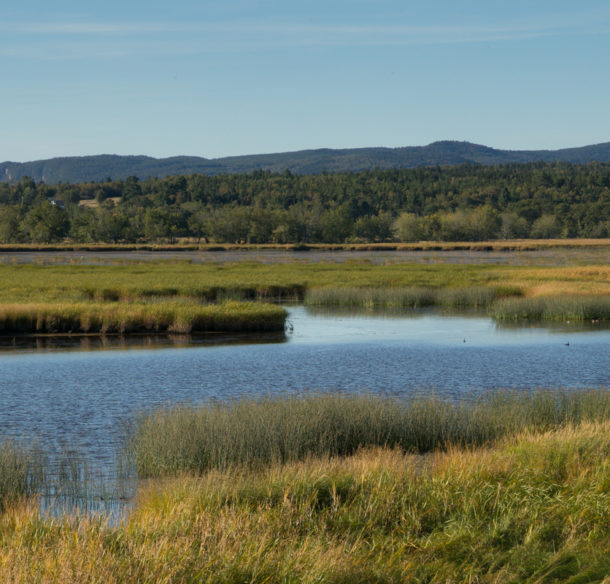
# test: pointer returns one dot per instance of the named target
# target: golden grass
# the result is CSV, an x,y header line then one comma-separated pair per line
x,y
126,318
573,280
535,508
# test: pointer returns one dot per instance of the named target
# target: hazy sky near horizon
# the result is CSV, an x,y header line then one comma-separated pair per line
x,y
210,78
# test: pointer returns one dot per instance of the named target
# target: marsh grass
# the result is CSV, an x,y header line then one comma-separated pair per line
x,y
553,308
59,482
126,318
533,508
255,432
478,297
22,472
503,303
214,282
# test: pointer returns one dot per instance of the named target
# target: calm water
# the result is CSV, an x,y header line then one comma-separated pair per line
x,y
82,397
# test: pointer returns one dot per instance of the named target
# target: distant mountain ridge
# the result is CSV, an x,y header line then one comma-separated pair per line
x,y
77,169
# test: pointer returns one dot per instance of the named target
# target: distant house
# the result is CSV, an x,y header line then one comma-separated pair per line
x,y
59,204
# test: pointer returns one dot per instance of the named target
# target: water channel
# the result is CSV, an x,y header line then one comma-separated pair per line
x,y
64,395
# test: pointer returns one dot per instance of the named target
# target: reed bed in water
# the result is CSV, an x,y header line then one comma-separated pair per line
x,y
22,471
553,308
255,432
404,297
503,303
532,508
125,318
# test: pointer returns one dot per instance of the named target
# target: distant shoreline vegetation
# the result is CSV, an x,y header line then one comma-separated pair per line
x,y
442,204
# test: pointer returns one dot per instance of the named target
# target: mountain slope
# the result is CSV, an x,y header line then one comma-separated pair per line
x,y
444,153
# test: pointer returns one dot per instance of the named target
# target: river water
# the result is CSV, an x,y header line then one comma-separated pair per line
x,y
75,397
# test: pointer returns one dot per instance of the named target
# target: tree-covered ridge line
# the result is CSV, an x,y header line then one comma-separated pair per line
x,y
462,203
77,169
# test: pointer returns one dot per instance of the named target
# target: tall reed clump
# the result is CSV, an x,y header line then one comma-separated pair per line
x,y
254,432
553,308
479,297
125,318
22,472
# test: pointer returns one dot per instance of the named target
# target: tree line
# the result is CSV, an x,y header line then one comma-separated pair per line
x,y
461,203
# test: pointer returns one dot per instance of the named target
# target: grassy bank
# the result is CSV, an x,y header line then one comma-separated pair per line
x,y
533,508
255,432
126,318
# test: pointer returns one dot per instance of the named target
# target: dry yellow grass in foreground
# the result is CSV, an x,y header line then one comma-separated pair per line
x,y
535,508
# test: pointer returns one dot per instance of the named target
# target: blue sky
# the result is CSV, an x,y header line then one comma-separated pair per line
x,y
240,77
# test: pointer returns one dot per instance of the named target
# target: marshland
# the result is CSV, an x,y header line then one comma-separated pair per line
x,y
170,296
382,421
512,488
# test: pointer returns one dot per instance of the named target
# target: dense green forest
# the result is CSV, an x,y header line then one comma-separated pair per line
x,y
467,202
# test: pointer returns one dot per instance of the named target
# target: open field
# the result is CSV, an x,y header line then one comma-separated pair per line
x,y
531,505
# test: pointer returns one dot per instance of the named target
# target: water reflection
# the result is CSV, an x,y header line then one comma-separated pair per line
x,y
317,324
426,327
46,343
555,327
421,314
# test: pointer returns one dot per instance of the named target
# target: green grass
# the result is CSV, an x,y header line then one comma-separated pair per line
x,y
255,432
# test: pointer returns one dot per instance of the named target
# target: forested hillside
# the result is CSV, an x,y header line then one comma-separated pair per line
x,y
77,169
467,202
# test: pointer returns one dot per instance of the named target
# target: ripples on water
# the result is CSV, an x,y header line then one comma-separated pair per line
x,y
85,398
